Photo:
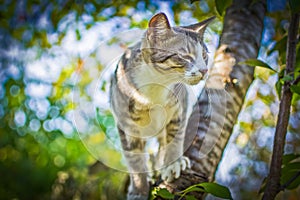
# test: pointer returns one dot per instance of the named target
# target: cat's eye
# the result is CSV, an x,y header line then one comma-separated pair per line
x,y
164,59
188,58
204,56
177,66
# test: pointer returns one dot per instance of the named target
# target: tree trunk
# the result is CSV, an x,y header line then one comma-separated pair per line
x,y
219,104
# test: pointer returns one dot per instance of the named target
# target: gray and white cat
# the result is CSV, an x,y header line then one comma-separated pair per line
x,y
149,97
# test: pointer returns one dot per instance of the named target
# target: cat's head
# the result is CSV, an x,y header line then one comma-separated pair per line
x,y
178,52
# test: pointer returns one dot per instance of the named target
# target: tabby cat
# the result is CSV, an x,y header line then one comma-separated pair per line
x,y
149,98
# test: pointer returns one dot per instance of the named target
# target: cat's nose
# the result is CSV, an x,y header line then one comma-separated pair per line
x,y
203,71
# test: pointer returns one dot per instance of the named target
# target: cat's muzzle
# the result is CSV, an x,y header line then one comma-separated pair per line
x,y
193,78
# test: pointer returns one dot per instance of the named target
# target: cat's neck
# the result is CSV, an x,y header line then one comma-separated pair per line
x,y
140,79
152,84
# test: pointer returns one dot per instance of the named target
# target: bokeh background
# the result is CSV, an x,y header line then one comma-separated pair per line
x,y
53,57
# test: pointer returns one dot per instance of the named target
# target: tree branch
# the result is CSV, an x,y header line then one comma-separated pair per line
x,y
289,182
296,81
273,182
216,111
240,40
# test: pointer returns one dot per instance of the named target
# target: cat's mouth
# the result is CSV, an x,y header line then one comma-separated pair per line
x,y
193,78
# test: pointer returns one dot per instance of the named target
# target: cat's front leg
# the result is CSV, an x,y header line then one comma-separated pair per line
x,y
139,187
136,162
174,161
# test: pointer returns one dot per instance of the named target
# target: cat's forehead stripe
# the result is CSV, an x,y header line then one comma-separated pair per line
x,y
189,34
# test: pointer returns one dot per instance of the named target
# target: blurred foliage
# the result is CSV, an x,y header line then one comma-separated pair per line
x,y
209,188
257,121
41,154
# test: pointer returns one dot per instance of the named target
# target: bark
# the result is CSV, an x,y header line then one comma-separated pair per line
x,y
216,112
273,183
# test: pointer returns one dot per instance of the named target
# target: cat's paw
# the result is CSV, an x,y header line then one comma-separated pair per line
x,y
172,171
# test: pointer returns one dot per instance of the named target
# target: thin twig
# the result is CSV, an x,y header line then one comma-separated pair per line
x,y
296,81
273,183
289,182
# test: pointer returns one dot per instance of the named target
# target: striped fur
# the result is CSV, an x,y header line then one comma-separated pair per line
x,y
149,97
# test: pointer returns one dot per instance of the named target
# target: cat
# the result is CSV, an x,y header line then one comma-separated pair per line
x,y
149,98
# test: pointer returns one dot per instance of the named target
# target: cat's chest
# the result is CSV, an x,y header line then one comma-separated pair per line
x,y
158,94
165,105
153,120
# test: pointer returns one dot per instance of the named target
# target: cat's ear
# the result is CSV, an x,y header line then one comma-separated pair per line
x,y
201,26
159,25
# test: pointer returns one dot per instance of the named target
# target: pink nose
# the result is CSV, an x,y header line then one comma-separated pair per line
x,y
203,71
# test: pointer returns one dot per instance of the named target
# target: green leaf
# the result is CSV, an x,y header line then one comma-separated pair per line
x,y
193,188
291,167
288,158
192,1
78,35
278,84
216,190
105,120
295,89
164,193
189,197
289,172
286,78
103,86
295,99
211,188
287,177
295,6
258,63
221,5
